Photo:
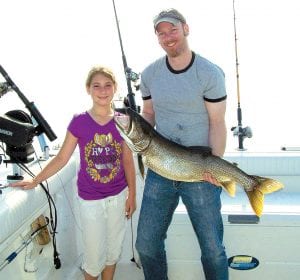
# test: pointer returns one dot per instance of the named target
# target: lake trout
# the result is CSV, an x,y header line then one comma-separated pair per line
x,y
180,163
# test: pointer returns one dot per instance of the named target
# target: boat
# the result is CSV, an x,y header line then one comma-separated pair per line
x,y
257,248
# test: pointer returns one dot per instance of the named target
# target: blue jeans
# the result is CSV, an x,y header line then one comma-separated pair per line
x,y
203,204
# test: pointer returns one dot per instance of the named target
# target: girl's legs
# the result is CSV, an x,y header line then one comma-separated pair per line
x,y
103,223
116,228
89,277
93,236
108,272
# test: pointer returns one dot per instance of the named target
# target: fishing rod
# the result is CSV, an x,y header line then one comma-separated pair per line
x,y
239,130
129,74
30,237
130,77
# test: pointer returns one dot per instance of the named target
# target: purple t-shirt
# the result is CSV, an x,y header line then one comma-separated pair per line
x,y
101,172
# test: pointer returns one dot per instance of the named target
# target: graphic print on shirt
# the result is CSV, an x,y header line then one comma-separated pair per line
x,y
102,155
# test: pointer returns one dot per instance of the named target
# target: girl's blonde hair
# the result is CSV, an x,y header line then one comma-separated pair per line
x,y
105,71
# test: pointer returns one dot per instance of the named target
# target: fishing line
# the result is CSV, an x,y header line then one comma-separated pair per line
x,y
133,257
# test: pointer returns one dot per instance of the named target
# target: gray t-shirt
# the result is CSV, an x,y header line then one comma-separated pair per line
x,y
178,98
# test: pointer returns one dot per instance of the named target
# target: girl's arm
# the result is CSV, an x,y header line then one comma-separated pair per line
x,y
130,178
56,164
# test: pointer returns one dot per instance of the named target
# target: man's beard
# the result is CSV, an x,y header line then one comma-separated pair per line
x,y
176,52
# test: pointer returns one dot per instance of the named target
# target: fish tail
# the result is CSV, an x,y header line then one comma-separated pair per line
x,y
256,199
268,185
256,196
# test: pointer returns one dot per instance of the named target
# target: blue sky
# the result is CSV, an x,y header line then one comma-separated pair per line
x,y
47,48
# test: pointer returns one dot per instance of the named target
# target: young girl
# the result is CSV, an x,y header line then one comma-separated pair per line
x,y
106,179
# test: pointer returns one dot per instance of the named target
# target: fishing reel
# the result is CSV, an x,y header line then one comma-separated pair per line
x,y
242,133
133,77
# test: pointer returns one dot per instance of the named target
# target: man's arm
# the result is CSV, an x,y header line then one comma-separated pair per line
x,y
148,112
217,126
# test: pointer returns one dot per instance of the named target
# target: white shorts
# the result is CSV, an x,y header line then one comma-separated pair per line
x,y
103,230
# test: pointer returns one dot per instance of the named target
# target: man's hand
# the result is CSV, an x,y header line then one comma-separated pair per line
x,y
211,179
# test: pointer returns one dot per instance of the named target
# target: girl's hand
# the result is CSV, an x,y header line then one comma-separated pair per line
x,y
24,184
130,207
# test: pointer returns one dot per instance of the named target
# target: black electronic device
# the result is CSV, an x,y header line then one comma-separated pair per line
x,y
17,132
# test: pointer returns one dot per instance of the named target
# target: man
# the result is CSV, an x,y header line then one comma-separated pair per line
x,y
184,97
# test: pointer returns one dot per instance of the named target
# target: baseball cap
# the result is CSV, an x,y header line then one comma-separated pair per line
x,y
171,15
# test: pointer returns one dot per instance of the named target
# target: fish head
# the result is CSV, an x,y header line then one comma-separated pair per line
x,y
135,130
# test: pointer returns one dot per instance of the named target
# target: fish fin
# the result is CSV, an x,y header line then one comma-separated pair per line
x,y
256,199
203,150
267,185
229,187
141,165
264,186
